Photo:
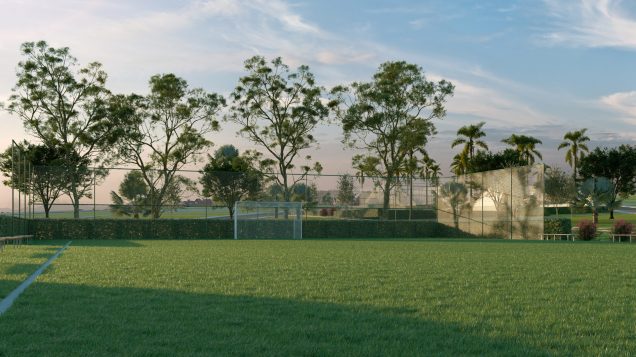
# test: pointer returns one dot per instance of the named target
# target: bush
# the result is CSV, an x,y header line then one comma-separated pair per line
x,y
557,226
332,210
622,227
324,212
587,230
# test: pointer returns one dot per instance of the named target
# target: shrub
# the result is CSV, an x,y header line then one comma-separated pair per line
x,y
622,227
587,230
324,212
332,210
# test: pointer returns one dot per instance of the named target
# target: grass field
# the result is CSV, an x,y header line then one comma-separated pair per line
x,y
17,263
179,213
392,297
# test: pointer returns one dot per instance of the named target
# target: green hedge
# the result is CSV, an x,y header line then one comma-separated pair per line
x,y
551,211
10,226
561,225
131,229
223,229
377,229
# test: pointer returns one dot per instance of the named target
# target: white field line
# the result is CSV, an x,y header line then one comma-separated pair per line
x,y
6,303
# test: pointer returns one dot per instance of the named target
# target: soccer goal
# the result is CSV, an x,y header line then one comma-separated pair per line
x,y
268,220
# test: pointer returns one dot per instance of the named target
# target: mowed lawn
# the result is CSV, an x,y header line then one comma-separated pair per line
x,y
373,297
18,262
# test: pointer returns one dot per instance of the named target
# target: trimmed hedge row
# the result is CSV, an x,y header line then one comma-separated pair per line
x,y
557,226
10,226
378,229
223,229
131,229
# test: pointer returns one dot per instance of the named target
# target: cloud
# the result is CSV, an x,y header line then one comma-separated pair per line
x,y
592,23
622,102
498,109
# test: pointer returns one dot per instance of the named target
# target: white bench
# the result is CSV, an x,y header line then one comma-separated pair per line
x,y
619,237
559,236
16,240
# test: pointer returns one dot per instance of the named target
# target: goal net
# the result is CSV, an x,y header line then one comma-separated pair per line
x,y
268,220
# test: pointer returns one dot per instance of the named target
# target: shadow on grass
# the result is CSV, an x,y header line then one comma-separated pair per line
x,y
22,268
113,243
51,319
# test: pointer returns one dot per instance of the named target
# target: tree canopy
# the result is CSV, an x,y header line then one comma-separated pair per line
x,y
525,146
575,142
618,165
64,104
229,177
164,131
278,109
389,117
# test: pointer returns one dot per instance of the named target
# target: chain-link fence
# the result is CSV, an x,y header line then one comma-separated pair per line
x,y
504,203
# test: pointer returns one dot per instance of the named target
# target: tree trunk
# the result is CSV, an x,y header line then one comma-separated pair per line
x,y
611,214
455,218
411,198
387,198
595,220
76,203
47,210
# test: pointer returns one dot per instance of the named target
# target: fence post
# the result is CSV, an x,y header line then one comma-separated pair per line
x,y
94,195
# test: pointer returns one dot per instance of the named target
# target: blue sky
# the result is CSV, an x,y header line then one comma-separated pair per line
x,y
535,67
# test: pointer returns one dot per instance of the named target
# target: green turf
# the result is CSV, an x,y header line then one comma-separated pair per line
x,y
18,262
399,297
604,222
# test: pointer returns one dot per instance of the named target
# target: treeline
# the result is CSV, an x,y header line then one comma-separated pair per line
x,y
81,128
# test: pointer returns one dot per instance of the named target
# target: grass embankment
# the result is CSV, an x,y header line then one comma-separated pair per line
x,y
400,297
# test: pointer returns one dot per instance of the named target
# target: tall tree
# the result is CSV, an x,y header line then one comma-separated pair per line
x,y
487,160
46,179
346,195
469,136
389,117
229,177
135,192
460,164
575,141
63,104
430,173
278,110
618,165
559,188
525,146
164,131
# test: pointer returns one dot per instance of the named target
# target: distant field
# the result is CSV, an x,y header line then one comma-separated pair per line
x,y
333,297
183,213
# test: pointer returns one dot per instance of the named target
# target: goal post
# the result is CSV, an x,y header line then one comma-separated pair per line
x,y
268,220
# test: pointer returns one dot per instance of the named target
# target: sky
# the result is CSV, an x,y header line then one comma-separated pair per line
x,y
536,67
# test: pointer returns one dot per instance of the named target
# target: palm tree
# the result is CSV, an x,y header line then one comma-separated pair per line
x,y
525,146
469,135
459,166
596,192
430,172
575,140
